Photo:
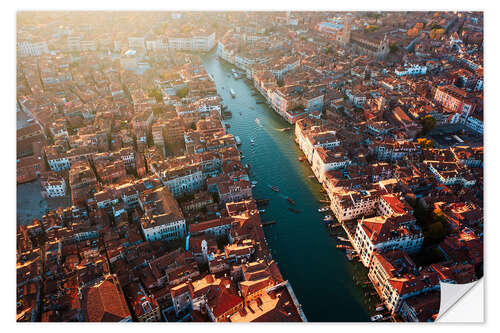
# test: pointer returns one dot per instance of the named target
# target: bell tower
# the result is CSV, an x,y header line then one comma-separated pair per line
x,y
346,31
383,48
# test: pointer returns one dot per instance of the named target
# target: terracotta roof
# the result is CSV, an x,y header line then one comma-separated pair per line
x,y
221,300
105,302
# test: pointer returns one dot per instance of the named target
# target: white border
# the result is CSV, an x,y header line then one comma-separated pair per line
x,y
492,74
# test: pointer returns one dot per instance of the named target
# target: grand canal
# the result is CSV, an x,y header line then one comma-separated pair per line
x,y
320,275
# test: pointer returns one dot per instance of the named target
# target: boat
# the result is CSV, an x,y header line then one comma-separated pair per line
x,y
268,223
260,102
323,209
286,129
275,189
300,159
232,92
252,141
380,308
262,210
254,182
238,141
290,200
376,317
228,126
311,176
252,108
342,239
328,218
294,210
262,202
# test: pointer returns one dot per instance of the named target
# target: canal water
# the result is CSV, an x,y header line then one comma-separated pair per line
x,y
306,254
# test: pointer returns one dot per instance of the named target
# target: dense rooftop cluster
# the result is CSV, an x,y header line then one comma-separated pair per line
x,y
162,226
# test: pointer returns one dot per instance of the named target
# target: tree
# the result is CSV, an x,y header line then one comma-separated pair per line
x,y
157,110
435,233
425,143
156,94
329,50
193,126
181,93
393,47
436,33
428,124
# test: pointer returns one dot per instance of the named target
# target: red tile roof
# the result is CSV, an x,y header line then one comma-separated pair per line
x,y
105,302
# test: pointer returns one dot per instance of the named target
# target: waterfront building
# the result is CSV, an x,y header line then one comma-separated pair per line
x,y
194,41
325,160
277,303
380,233
348,205
396,278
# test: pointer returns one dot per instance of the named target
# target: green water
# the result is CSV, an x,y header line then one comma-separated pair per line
x,y
307,256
